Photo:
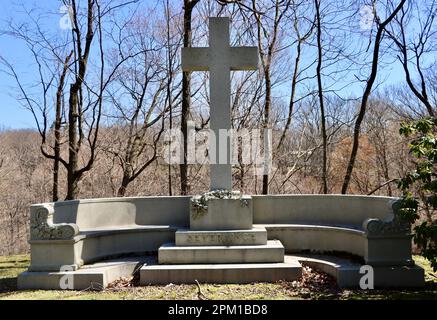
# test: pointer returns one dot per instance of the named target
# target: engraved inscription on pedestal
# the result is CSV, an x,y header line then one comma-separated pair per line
x,y
255,236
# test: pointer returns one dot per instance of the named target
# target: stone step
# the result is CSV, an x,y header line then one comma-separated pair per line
x,y
255,236
271,252
95,276
220,273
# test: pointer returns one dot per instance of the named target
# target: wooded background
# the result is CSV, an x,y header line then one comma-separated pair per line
x,y
336,80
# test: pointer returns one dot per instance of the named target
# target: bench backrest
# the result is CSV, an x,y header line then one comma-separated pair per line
x,y
102,213
347,210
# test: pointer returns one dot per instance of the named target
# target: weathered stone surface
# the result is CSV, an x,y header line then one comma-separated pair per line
x,y
220,273
394,227
340,210
211,213
388,241
273,251
304,237
99,275
220,58
255,236
54,254
347,273
391,251
73,233
92,245
95,276
318,209
321,222
43,228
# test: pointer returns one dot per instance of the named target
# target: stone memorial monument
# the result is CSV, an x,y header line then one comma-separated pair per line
x,y
220,236
221,221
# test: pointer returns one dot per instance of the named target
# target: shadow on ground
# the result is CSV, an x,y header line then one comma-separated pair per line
x,y
8,284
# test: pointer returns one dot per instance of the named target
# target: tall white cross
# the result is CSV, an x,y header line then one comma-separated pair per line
x,y
219,59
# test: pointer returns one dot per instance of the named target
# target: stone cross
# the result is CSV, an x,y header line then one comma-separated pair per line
x,y
219,59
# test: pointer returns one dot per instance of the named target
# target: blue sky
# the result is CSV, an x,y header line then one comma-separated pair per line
x,y
14,116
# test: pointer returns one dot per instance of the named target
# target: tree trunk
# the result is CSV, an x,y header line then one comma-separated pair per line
x,y
72,183
293,93
169,84
186,96
321,102
75,131
58,124
265,186
124,184
367,91
386,172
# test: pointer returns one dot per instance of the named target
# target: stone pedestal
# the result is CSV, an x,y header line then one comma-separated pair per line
x,y
221,214
221,232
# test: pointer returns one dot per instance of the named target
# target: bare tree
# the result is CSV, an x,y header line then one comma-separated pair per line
x,y
58,128
171,52
141,96
411,50
76,107
321,99
381,26
267,47
301,38
85,92
186,94
44,54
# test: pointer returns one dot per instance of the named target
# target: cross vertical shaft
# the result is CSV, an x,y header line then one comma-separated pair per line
x,y
220,93
219,59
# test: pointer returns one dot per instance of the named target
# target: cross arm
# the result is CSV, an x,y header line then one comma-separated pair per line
x,y
195,59
244,58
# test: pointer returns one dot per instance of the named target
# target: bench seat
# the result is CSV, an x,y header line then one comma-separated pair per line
x,y
89,246
374,250
102,232
318,238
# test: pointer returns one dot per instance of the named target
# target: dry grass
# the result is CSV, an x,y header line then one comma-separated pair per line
x,y
313,285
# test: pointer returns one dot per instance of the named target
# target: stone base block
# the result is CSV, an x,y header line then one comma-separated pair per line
x,y
52,255
95,276
223,214
273,251
255,236
385,277
220,273
347,273
386,251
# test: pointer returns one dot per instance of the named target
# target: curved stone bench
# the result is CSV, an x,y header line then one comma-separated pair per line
x,y
93,245
300,237
317,209
369,227
73,233
348,274
67,235
376,250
